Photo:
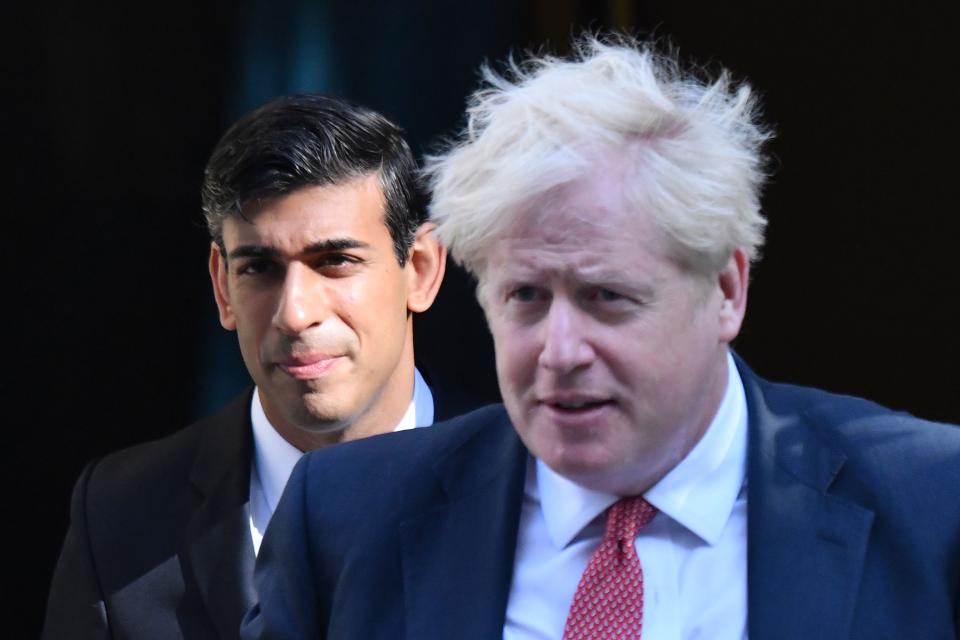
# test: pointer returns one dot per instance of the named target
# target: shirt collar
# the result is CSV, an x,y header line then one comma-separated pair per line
x,y
274,457
699,493
420,411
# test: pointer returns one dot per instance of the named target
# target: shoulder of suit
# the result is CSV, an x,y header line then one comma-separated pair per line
x,y
413,448
880,445
152,470
391,476
852,416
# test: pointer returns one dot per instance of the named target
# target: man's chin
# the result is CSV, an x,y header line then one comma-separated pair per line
x,y
322,418
311,411
577,462
588,464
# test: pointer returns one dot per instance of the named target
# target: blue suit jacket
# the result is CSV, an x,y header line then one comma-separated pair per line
x,y
853,528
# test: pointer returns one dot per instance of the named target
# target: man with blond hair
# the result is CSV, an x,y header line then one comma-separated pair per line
x,y
640,478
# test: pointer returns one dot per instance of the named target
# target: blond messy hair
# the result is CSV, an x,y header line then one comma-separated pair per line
x,y
694,148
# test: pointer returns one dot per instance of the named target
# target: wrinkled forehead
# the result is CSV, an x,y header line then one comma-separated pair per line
x,y
596,206
584,229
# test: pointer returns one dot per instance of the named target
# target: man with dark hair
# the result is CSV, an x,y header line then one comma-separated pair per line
x,y
320,253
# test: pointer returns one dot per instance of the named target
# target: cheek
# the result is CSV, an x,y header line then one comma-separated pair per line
x,y
350,293
516,368
365,304
383,292
253,314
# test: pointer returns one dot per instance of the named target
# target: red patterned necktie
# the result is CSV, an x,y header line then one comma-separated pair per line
x,y
608,604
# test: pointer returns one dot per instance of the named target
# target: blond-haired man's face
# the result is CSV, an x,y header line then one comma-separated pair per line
x,y
611,357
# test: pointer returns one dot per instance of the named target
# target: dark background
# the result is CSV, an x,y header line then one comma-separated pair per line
x,y
112,108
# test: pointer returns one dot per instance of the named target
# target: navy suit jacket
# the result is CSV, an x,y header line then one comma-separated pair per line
x,y
159,541
853,528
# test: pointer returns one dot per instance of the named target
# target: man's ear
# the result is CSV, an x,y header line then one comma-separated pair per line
x,y
221,292
426,265
733,281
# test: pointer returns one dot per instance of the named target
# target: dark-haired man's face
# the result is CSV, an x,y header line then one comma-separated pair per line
x,y
321,307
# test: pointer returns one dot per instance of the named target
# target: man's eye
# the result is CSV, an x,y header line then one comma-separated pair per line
x,y
606,295
335,261
602,294
525,293
255,267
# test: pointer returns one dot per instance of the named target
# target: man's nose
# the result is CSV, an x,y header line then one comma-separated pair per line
x,y
302,303
565,345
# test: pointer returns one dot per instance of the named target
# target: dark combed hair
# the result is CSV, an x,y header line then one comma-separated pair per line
x,y
312,140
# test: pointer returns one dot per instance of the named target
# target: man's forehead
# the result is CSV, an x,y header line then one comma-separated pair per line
x,y
575,215
310,216
587,258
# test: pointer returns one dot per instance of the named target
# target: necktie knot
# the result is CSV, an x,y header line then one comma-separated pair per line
x,y
627,516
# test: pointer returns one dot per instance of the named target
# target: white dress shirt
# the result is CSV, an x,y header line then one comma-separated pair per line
x,y
274,457
693,553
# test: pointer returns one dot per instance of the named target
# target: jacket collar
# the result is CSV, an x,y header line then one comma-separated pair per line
x,y
458,556
220,549
806,546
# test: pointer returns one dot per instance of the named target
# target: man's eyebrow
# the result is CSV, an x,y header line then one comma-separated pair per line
x,y
252,251
323,246
335,244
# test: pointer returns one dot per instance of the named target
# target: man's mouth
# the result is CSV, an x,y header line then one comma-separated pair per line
x,y
574,403
309,366
571,406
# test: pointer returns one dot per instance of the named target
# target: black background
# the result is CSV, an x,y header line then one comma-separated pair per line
x,y
112,108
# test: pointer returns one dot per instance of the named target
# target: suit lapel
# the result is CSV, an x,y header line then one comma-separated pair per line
x,y
805,546
219,548
458,557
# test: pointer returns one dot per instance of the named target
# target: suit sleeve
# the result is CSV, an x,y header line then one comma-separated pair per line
x,y
75,606
287,606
